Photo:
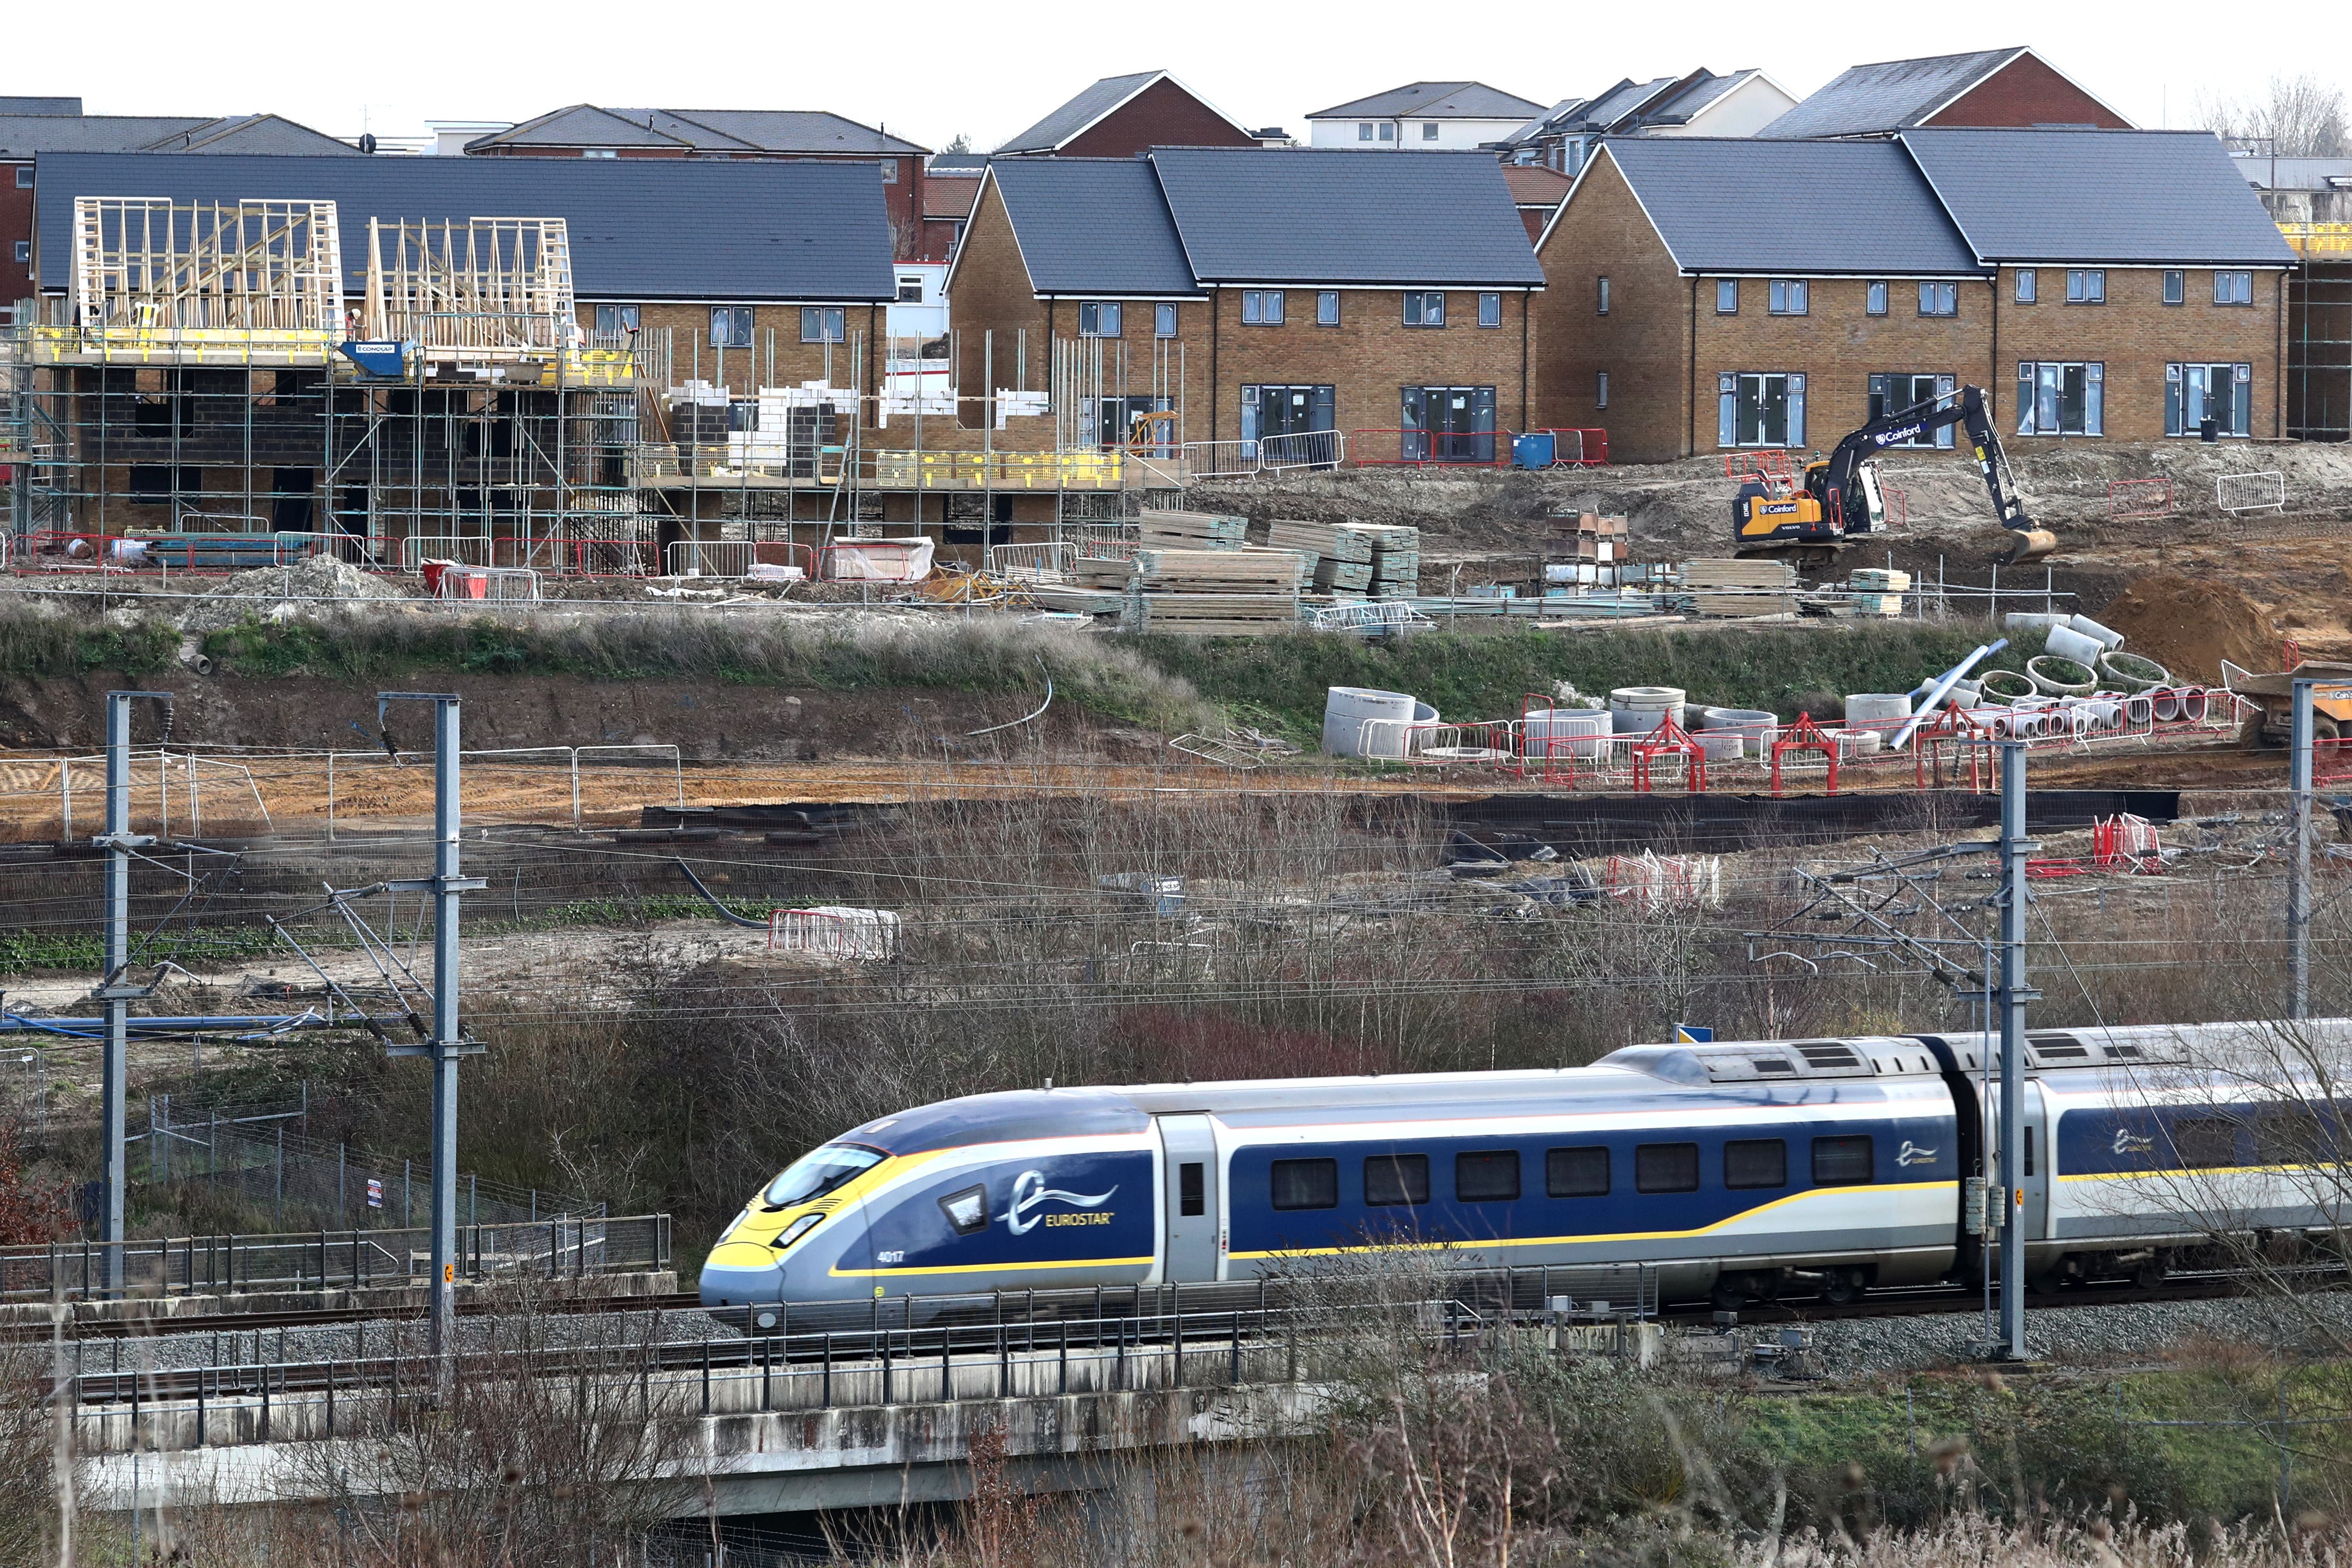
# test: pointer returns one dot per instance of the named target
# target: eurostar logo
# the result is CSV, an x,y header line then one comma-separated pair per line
x,y
2129,1142
1030,1194
1912,1154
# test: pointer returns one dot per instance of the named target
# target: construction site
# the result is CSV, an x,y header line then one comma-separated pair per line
x,y
346,592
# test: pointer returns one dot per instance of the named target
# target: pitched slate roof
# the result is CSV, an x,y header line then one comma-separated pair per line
x,y
1090,105
1436,100
40,106
2147,196
640,229
258,133
1093,226
1297,215
740,130
1871,100
1738,205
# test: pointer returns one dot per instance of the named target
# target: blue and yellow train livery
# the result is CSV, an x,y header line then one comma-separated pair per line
x,y
1732,1170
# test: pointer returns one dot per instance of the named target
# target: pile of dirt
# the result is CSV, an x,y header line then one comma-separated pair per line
x,y
2190,625
273,592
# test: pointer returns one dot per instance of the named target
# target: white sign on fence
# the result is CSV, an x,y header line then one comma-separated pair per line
x,y
375,1191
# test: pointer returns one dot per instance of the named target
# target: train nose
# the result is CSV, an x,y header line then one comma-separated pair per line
x,y
741,1274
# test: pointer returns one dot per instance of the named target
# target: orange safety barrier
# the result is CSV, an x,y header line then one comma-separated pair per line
x,y
1575,446
2127,841
2139,497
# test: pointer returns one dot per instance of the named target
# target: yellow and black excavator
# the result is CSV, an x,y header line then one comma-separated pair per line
x,y
1839,497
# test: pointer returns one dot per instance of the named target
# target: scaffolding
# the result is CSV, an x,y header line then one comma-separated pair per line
x,y
213,394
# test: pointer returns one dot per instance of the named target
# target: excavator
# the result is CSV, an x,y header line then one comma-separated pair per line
x,y
1839,496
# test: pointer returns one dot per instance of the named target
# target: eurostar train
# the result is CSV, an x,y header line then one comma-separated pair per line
x,y
1735,1171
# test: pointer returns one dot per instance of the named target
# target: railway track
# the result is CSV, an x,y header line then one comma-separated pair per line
x,y
323,1317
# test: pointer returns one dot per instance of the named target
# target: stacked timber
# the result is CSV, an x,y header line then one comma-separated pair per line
x,y
1193,531
1342,563
1217,592
1396,560
1599,539
1740,588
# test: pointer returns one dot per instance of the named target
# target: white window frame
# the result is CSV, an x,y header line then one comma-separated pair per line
x,y
1100,318
1326,307
2028,287
1792,392
903,298
1787,297
1418,308
889,170
2086,285
598,152
1876,294
23,176
1490,309
2182,380
1363,130
1429,129
2040,386
1727,288
1262,307
24,253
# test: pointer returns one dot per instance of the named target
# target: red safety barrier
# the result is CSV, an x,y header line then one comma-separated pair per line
x,y
1952,727
1575,446
2139,497
1804,735
1669,739
2128,841
1429,449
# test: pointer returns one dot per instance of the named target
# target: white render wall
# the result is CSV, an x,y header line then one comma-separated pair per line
x,y
1453,135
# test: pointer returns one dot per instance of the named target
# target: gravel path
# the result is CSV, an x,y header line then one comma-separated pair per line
x,y
2080,1336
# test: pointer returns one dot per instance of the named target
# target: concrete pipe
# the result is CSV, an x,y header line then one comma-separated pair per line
x,y
2066,642
2195,703
2133,672
1348,709
2083,626
1877,707
1722,745
1566,732
2051,673
2002,686
2164,704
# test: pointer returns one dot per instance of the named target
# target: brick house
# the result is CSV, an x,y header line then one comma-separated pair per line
x,y
1125,116
1537,191
738,275
1704,295
31,126
589,131
1256,294
2012,87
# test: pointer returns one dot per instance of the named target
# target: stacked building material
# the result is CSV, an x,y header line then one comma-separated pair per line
x,y
1342,554
1396,560
1740,588
1193,531
1874,591
1217,593
1593,537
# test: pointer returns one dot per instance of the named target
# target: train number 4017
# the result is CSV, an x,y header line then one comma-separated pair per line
x,y
887,1257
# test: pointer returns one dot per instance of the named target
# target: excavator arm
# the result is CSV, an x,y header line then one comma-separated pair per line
x,y
1842,499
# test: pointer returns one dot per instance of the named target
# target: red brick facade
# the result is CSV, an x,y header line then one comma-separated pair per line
x,y
15,229
2026,92
1664,344
1161,115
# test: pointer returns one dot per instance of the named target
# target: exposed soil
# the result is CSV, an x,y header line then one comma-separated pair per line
x,y
2190,625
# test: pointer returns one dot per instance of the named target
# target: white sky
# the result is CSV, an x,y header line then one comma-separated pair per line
x,y
929,70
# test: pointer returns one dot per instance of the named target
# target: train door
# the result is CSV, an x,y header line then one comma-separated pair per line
x,y
1189,1199
2039,1142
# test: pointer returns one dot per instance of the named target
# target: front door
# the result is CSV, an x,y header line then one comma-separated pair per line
x,y
1190,1200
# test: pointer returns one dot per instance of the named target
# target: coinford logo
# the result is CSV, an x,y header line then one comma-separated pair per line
x,y
1030,1194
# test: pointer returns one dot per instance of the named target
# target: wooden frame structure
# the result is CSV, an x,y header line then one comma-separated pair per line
x,y
487,288
148,265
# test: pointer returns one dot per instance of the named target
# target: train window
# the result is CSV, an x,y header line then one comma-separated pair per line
x,y
1306,1183
1190,1197
967,1210
1396,1179
1756,1163
2030,1142
2288,1138
1577,1173
1488,1175
1666,1168
1843,1161
2203,1144
817,1172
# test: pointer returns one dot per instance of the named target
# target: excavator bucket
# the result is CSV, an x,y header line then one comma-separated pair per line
x,y
2028,544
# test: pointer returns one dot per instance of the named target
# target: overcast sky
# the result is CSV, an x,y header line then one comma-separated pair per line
x,y
929,70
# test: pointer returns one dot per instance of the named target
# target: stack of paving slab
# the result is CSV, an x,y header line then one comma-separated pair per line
x,y
1740,588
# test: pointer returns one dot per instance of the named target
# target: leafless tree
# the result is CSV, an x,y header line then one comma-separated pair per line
x,y
2294,117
